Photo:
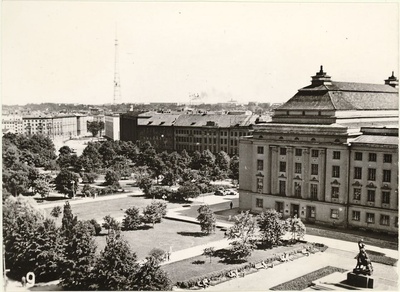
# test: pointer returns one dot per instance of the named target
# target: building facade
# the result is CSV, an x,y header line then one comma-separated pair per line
x,y
179,131
111,126
325,156
12,124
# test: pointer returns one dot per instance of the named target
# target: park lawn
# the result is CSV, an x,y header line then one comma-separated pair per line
x,y
168,234
200,265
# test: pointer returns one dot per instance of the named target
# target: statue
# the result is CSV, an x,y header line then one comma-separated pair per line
x,y
364,265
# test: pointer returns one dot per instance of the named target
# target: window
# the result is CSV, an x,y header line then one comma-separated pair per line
x,y
260,150
336,171
311,212
357,172
334,213
314,153
387,158
259,203
260,184
299,152
282,187
371,156
282,151
335,192
358,156
314,191
370,218
297,189
297,167
385,219
385,197
396,221
357,194
387,175
371,174
279,207
336,154
356,216
282,166
371,196
260,164
314,169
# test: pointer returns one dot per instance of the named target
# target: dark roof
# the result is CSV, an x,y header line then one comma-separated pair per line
x,y
344,96
221,121
375,139
159,120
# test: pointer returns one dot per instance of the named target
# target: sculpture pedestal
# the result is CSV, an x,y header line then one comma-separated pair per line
x,y
361,281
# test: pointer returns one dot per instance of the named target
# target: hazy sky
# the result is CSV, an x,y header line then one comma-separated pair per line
x,y
64,52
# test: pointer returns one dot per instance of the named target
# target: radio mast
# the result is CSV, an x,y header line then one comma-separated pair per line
x,y
117,84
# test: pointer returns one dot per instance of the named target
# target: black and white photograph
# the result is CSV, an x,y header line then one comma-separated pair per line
x,y
200,145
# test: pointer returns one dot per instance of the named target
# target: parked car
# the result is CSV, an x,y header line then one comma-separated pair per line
x,y
220,192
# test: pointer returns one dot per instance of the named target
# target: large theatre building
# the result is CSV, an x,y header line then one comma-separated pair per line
x,y
329,156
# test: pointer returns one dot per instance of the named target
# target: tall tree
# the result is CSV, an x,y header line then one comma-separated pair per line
x,y
243,234
296,228
111,224
68,220
79,258
112,178
132,219
206,218
272,227
150,277
154,212
115,267
67,182
234,167
222,160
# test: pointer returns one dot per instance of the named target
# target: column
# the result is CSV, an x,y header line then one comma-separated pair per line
x,y
268,171
274,169
290,171
306,179
322,175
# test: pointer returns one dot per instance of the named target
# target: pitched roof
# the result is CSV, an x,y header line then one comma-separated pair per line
x,y
376,139
159,120
344,96
201,120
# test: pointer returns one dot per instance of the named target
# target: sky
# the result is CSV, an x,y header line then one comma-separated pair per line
x,y
64,52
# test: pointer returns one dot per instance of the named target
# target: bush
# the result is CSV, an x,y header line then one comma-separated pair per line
x,y
112,178
158,192
132,219
89,177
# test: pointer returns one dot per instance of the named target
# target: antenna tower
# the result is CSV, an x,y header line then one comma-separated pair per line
x,y
117,84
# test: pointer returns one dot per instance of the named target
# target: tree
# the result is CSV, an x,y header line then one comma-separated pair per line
x,y
234,167
107,152
42,185
154,212
195,161
112,178
150,277
65,150
56,212
115,267
271,226
206,218
89,177
79,258
207,159
67,182
132,219
296,228
88,190
68,221
111,224
222,160
209,252
188,190
90,160
15,181
144,182
243,235
94,127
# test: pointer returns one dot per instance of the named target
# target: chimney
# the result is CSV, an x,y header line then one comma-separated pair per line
x,y
321,78
392,81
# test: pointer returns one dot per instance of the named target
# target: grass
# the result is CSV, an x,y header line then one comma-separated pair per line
x,y
200,265
377,257
370,238
305,281
169,233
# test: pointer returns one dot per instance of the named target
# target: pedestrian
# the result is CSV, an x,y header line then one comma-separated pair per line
x,y
23,281
231,204
168,255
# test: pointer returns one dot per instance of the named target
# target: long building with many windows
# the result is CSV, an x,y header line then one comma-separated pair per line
x,y
329,156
